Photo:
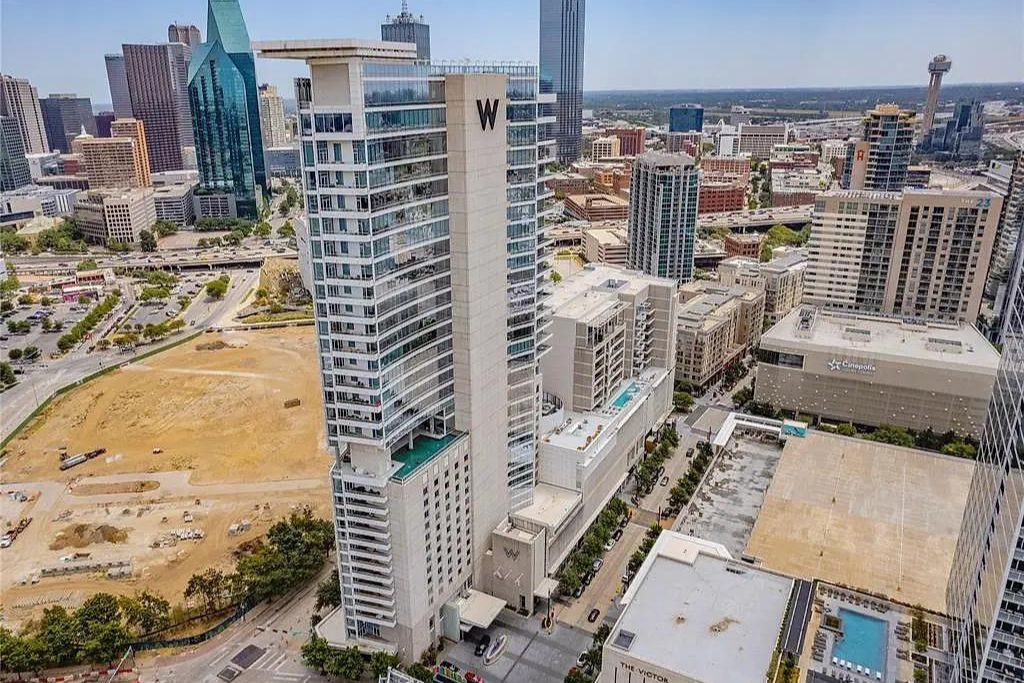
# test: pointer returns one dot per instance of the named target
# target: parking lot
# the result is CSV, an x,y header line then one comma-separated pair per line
x,y
46,342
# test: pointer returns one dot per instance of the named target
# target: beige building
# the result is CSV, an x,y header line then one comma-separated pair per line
x,y
716,325
920,253
782,280
759,140
275,133
111,163
596,207
871,370
606,245
115,215
134,129
605,147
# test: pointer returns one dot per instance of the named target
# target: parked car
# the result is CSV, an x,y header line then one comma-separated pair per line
x,y
472,677
594,614
598,563
689,452
581,661
664,481
579,591
482,645
610,544
617,534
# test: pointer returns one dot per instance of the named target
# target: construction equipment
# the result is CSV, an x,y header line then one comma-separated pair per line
x,y
67,462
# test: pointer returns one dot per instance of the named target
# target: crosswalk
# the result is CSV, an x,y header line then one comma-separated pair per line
x,y
278,665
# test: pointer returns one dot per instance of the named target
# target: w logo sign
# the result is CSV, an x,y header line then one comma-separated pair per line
x,y
487,109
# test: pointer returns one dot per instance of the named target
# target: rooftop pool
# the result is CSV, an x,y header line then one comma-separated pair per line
x,y
626,396
864,641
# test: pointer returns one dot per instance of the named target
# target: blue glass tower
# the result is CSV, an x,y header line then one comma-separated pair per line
x,y
225,110
562,25
684,118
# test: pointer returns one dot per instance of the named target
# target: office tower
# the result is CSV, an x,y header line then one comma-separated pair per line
x,y
684,118
136,130
184,33
879,160
103,121
605,147
20,101
275,134
426,198
937,68
922,253
758,140
115,215
120,160
958,136
632,141
663,215
985,595
562,26
14,169
158,87
117,81
65,116
1011,220
406,28
226,110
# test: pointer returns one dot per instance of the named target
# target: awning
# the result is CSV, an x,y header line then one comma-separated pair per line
x,y
479,609
546,588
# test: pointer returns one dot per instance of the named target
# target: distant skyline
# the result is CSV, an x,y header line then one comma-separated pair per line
x,y
645,44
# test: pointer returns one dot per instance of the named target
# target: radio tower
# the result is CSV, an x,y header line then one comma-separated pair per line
x,y
939,66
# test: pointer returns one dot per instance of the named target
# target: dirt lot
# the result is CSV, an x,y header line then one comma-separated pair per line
x,y
230,452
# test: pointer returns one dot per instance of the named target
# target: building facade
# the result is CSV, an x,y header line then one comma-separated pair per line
x,y
606,245
596,207
663,215
20,100
65,116
632,141
113,162
921,253
226,111
782,280
716,325
758,140
117,83
158,88
408,28
174,203
106,216
136,130
879,160
717,195
684,118
873,370
14,168
188,34
426,247
605,147
985,596
1011,220
275,133
562,30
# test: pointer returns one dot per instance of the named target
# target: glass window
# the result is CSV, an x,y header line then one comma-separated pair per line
x,y
333,123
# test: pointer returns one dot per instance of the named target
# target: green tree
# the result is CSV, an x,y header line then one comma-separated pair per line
x,y
960,449
328,592
59,631
262,229
682,401
420,673
30,353
6,306
7,376
577,676
846,429
286,230
209,586
145,612
165,228
154,293
216,289
556,277
13,243
887,433
15,353
381,661
87,264
347,663
315,653
146,241
104,642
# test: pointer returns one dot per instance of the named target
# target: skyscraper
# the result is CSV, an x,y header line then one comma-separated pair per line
x,y
117,81
14,170
20,101
407,28
65,115
428,273
275,133
158,87
879,160
663,215
1011,222
985,595
225,110
562,27
937,68
684,118
184,33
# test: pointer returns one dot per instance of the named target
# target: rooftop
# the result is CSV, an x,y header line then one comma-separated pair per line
x,y
695,611
550,506
424,449
334,48
603,277
612,237
598,201
928,343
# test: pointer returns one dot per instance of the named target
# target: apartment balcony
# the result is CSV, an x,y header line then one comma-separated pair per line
x,y
371,599
377,588
361,565
358,521
385,618
367,554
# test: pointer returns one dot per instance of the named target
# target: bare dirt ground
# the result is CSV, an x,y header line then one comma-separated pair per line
x,y
229,452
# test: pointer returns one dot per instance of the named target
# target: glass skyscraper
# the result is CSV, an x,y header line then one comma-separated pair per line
x,y
663,215
684,118
407,28
562,25
224,98
986,588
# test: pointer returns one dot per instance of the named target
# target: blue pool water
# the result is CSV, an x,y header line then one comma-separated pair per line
x,y
864,641
626,396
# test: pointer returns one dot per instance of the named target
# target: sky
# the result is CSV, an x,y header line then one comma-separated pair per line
x,y
630,44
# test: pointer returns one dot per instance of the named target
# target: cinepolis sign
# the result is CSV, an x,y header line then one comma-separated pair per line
x,y
843,365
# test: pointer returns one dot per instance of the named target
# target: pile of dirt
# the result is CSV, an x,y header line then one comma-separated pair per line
x,y
117,487
82,535
211,346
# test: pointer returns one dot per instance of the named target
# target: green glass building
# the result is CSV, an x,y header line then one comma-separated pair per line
x,y
225,110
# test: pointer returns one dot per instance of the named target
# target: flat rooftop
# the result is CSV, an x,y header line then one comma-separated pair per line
x,y
865,514
603,277
593,307
612,237
707,617
551,505
424,449
598,201
932,343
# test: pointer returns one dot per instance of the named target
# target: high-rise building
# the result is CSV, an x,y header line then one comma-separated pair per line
x,y
136,130
408,28
119,161
20,101
985,595
14,168
1011,222
426,197
103,121
66,115
922,253
958,136
158,87
663,215
184,33
275,133
226,110
604,147
879,160
632,140
117,81
937,68
759,140
562,28
684,118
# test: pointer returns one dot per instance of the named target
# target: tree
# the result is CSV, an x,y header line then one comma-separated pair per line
x,y
347,663
146,241
208,586
381,661
556,277
87,264
104,642
682,401
887,433
15,353
315,653
6,306
286,230
262,229
154,293
13,243
846,429
960,449
328,593
60,631
145,612
7,376
30,353
420,673
165,228
577,676
216,289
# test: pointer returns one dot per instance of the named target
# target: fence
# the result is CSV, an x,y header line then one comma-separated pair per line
x,y
197,638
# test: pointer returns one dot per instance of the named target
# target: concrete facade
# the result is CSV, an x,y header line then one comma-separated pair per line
x,y
716,326
782,280
115,215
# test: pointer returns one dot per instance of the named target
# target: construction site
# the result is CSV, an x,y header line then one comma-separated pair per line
x,y
161,469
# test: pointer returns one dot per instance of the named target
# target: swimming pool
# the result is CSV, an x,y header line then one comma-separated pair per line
x,y
864,641
626,396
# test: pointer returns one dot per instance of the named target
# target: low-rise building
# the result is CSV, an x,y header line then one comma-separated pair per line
x,y
872,370
781,278
115,215
737,165
22,204
214,205
606,245
569,183
183,177
716,325
604,147
798,186
283,162
693,614
715,196
174,203
685,143
596,207
744,244
758,140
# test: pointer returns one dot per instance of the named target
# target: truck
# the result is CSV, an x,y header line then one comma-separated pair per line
x,y
67,462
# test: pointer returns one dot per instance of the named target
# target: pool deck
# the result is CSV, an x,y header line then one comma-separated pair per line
x,y
424,449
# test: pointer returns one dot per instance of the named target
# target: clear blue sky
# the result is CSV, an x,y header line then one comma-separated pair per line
x,y
672,44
